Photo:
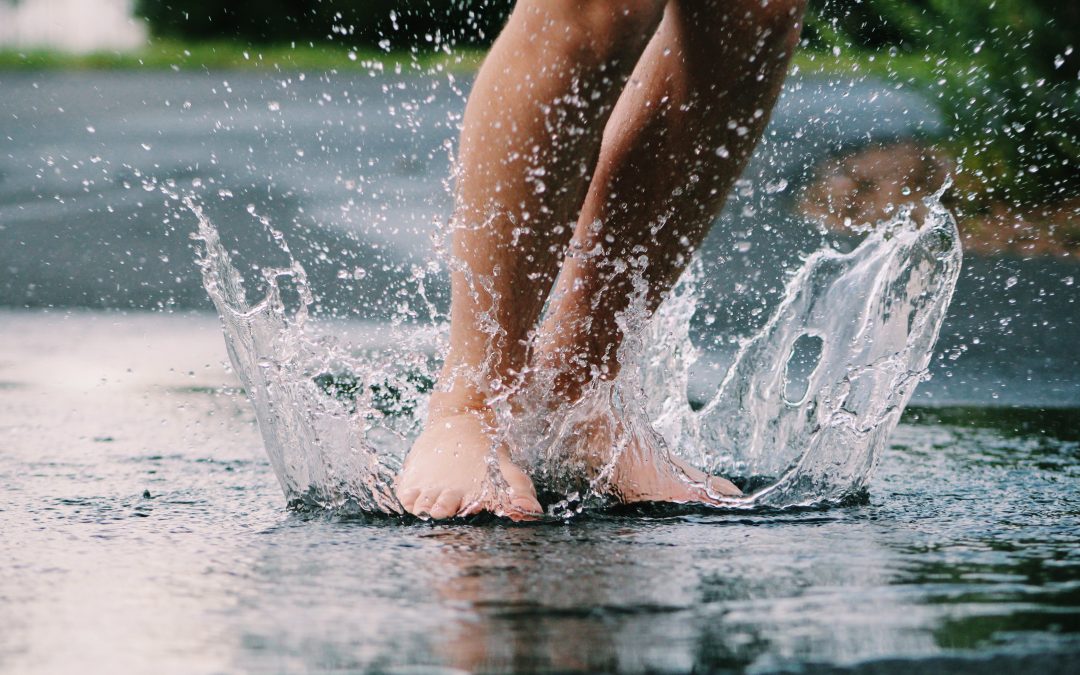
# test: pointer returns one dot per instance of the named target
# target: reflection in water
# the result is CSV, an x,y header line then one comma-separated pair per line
x,y
622,594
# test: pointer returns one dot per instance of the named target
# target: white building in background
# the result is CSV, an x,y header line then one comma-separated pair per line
x,y
70,25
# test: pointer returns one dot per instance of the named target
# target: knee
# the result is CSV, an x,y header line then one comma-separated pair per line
x,y
782,19
768,22
774,12
776,22
604,29
616,21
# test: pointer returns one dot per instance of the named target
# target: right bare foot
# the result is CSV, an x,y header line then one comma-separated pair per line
x,y
660,476
448,473
646,471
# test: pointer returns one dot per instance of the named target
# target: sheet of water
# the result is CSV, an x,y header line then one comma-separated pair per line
x,y
799,419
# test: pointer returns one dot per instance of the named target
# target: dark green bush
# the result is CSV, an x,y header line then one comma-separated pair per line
x,y
404,23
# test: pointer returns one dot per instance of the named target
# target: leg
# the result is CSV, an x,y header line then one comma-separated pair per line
x,y
531,133
679,136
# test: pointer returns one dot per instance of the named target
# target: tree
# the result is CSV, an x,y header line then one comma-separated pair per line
x,y
403,23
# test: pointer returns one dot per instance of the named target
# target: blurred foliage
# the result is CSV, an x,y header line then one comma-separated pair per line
x,y
393,23
170,53
1059,423
1004,73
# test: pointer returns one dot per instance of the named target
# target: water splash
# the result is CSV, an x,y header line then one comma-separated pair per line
x,y
334,442
873,317
799,419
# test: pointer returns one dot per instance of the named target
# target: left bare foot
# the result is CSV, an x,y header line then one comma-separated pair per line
x,y
447,472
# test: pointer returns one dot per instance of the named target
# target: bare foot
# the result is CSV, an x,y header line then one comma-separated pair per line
x,y
646,471
448,473
659,476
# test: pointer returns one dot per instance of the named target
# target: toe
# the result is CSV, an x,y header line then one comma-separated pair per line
x,y
520,488
447,505
424,502
523,506
407,497
526,503
723,487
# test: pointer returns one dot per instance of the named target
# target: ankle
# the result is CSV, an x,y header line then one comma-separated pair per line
x,y
445,404
570,371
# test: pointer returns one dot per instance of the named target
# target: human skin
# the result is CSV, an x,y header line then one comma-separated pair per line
x,y
599,143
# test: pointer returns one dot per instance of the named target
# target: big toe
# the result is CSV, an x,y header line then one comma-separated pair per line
x,y
522,494
407,497
723,487
524,507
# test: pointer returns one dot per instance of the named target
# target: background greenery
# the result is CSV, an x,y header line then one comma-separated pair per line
x,y
1004,73
394,23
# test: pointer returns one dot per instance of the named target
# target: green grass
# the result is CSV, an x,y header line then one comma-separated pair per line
x,y
163,54
908,69
1059,423
175,55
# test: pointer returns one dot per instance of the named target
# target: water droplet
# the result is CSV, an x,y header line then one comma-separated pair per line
x,y
772,187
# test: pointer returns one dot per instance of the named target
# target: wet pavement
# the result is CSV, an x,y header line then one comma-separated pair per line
x,y
143,530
